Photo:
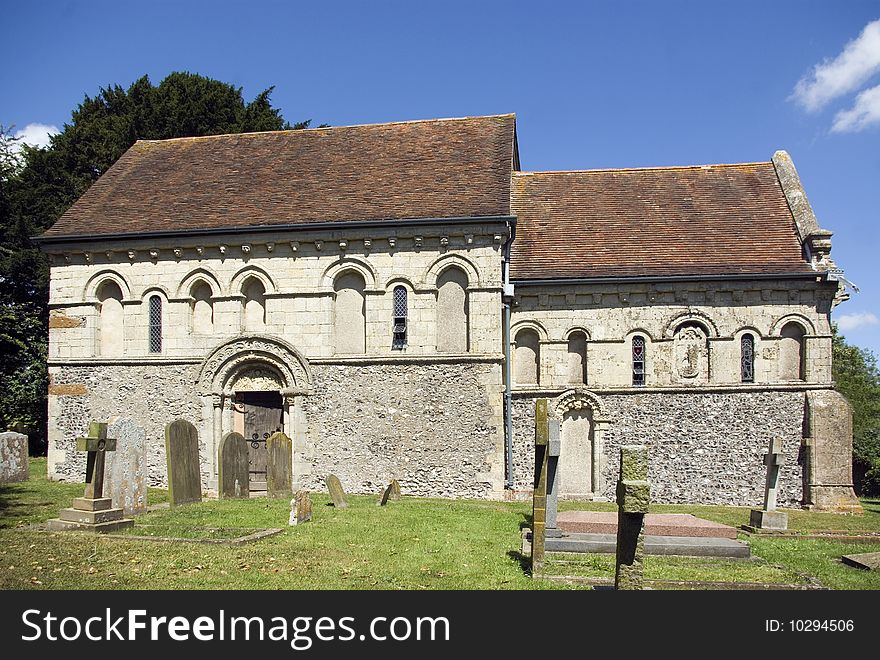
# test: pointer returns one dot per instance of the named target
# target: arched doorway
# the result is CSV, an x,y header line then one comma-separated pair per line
x,y
581,455
253,385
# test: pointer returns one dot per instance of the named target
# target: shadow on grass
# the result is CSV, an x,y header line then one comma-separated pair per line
x,y
524,561
526,522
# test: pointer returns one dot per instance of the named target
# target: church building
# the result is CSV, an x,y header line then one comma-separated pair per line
x,y
395,297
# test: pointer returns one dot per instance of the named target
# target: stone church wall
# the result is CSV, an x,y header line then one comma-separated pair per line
x,y
705,448
436,428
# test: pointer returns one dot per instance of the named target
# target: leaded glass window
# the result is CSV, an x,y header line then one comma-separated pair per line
x,y
399,324
638,360
155,324
747,358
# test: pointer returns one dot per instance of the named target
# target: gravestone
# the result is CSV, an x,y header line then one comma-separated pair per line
x,y
126,471
633,497
279,470
336,492
539,494
395,491
554,446
13,457
769,517
182,458
234,477
300,508
385,496
93,512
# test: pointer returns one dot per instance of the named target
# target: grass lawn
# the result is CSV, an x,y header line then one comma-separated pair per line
x,y
416,543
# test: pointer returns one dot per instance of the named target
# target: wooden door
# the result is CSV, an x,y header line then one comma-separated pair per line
x,y
263,416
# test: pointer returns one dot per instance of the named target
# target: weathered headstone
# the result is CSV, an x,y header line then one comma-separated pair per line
x,y
125,480
13,457
279,470
234,476
385,496
633,497
769,517
93,512
554,446
182,458
336,492
395,490
867,561
539,494
300,508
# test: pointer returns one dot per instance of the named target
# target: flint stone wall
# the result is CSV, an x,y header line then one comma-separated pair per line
x,y
151,395
433,427
705,448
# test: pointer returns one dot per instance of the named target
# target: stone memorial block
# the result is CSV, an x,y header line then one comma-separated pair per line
x,y
125,480
336,492
234,474
279,470
182,458
395,491
633,498
300,508
385,496
539,494
93,512
13,457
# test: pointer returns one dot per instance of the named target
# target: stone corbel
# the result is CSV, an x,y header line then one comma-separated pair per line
x,y
819,244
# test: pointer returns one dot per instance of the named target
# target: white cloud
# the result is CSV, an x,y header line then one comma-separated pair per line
x,y
37,135
857,62
865,111
856,320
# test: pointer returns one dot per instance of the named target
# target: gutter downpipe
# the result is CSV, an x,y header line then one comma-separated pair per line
x,y
507,301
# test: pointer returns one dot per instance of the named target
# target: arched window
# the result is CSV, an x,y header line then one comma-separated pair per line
x,y
254,304
202,309
452,311
638,360
577,358
155,304
349,316
747,358
791,352
527,357
398,330
110,334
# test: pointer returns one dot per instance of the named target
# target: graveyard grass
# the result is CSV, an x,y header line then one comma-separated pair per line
x,y
415,543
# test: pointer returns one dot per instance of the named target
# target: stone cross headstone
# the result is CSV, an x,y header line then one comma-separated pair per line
x,y
554,446
300,508
126,469
234,473
385,496
395,490
279,470
539,494
93,512
769,517
633,498
13,457
182,457
336,492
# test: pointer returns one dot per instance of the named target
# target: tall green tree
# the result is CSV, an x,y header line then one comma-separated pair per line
x,y
857,377
38,185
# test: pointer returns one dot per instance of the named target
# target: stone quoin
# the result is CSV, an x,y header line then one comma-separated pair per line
x,y
394,298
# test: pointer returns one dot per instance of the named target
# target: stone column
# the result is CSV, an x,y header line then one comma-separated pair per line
x,y
216,429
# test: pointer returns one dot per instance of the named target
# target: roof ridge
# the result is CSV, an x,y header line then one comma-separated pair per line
x,y
328,128
658,168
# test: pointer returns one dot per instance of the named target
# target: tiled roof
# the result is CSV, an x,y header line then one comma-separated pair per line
x,y
422,169
709,220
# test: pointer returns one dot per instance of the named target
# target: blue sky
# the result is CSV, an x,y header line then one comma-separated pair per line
x,y
593,84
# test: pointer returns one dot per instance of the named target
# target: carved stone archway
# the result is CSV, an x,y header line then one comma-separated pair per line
x,y
251,363
579,406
